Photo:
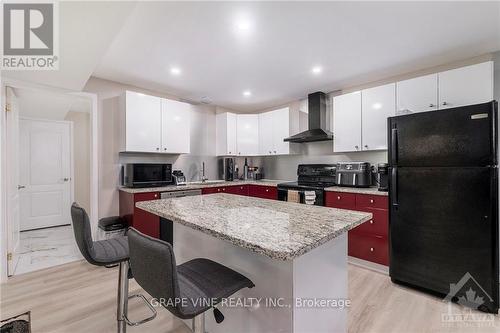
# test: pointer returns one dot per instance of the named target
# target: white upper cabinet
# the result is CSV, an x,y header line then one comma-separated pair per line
x,y
266,135
281,130
225,134
377,105
152,124
247,134
274,127
347,122
466,85
175,129
417,95
142,122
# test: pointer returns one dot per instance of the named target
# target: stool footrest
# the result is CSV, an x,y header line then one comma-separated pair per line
x,y
140,322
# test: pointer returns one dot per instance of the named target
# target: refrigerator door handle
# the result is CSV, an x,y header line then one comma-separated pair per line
x,y
394,187
394,146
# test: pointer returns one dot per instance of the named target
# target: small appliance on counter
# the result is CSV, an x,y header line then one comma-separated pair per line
x,y
354,174
147,175
252,172
179,178
227,169
383,177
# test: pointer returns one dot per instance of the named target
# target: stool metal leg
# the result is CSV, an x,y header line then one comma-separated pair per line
x,y
122,296
199,323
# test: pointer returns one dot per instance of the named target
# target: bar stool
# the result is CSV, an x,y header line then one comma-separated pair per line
x,y
107,253
154,268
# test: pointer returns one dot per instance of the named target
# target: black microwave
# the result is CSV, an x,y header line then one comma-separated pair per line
x,y
147,174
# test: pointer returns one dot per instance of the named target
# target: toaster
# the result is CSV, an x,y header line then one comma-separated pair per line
x,y
354,174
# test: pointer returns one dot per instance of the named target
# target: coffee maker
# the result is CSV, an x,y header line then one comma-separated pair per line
x,y
226,168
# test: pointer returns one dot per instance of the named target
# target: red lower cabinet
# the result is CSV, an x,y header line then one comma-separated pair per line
x,y
367,241
240,189
264,192
368,247
210,190
141,220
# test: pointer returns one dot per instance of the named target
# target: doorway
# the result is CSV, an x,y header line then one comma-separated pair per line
x,y
49,144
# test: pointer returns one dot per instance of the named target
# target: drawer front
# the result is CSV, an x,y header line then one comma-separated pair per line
x,y
265,192
146,196
371,248
340,200
210,190
377,226
372,201
239,190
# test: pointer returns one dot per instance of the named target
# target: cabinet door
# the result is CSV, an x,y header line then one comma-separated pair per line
x,y
417,95
247,131
232,138
466,85
266,142
378,104
142,122
347,122
143,221
280,131
175,134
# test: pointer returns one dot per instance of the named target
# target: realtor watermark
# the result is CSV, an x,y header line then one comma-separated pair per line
x,y
30,35
255,302
470,294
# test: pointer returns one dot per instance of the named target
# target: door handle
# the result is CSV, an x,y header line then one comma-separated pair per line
x,y
20,187
394,146
394,187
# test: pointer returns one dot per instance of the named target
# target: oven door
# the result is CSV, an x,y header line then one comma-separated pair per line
x,y
318,201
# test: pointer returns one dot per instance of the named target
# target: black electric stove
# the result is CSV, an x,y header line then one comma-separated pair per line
x,y
311,178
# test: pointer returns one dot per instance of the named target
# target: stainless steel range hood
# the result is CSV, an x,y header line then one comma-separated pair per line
x,y
317,121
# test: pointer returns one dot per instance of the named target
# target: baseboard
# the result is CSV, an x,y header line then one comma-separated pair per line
x,y
369,265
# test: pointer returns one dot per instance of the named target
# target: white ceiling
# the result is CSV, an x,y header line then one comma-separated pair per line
x,y
44,104
354,42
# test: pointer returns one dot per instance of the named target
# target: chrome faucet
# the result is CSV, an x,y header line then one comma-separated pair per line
x,y
203,177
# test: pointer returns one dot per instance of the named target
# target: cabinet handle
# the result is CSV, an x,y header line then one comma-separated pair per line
x,y
275,151
431,105
445,103
20,187
156,195
165,149
267,190
270,152
157,148
357,147
366,146
338,198
372,201
372,249
371,221
241,188
239,153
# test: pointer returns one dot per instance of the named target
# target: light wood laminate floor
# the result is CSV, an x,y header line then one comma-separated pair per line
x,y
78,297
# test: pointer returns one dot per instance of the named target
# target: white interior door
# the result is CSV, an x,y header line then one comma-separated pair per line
x,y
12,168
45,173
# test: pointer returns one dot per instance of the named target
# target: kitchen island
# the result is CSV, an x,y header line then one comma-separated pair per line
x,y
295,254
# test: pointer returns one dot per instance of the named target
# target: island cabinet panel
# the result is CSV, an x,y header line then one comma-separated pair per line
x,y
368,241
240,189
265,192
139,219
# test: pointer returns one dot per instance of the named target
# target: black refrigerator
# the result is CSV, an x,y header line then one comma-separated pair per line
x,y
443,198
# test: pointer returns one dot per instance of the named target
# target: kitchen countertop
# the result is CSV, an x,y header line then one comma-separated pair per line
x,y
360,190
277,229
200,185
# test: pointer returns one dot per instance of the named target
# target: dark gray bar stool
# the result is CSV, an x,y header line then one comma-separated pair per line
x,y
153,265
107,253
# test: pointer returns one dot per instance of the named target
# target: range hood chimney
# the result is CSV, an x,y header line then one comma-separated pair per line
x,y
317,121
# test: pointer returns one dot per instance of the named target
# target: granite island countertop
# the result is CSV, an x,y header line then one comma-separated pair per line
x,y
277,229
200,185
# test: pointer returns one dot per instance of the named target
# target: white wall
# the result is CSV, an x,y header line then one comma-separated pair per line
x,y
110,160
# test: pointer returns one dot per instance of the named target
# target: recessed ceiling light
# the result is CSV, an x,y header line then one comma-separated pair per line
x,y
316,69
175,71
243,25
247,93
377,106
